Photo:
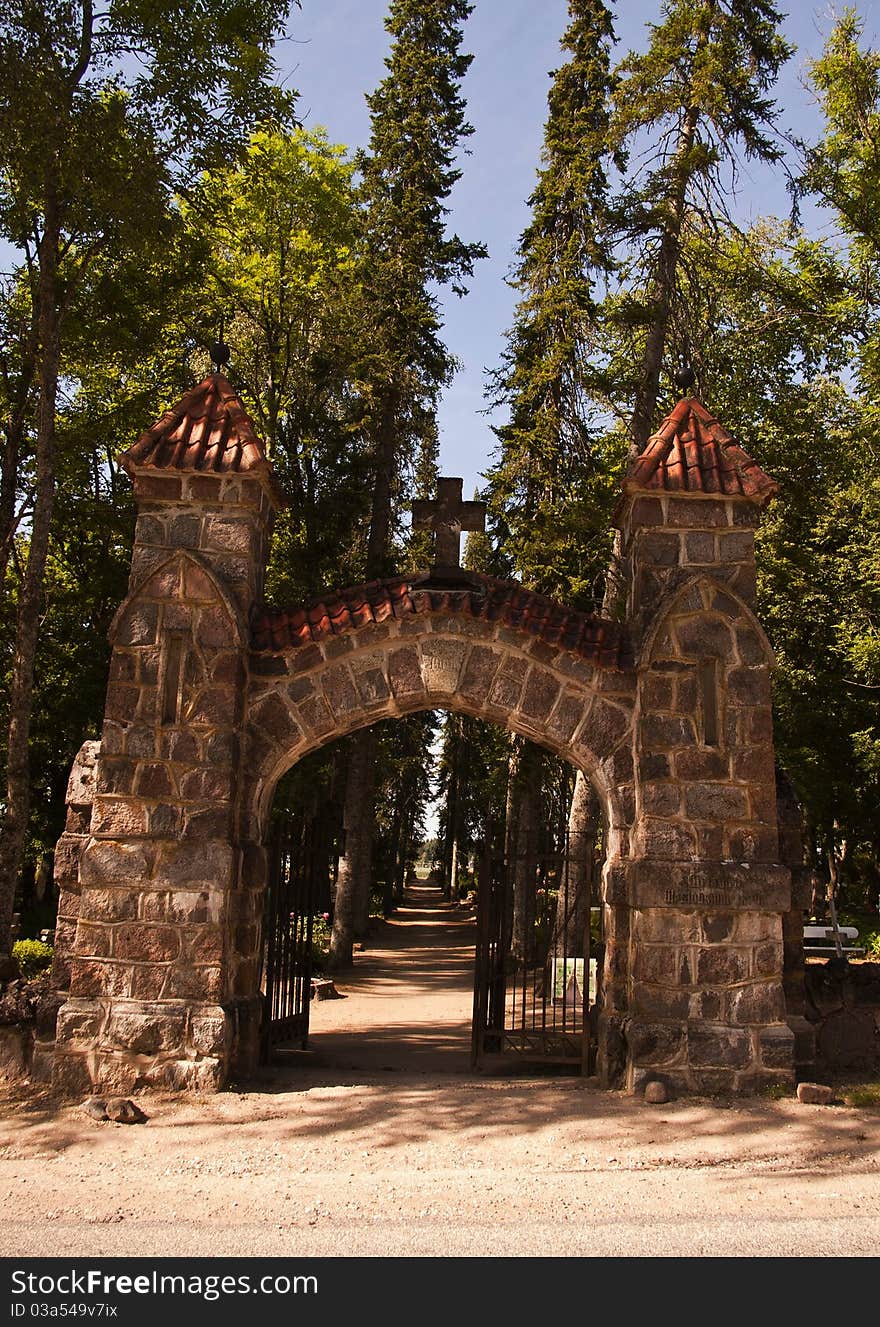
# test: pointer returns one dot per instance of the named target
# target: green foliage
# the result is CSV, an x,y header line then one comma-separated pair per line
x,y
32,956
284,233
552,488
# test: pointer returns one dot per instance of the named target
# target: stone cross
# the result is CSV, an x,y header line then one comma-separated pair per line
x,y
447,517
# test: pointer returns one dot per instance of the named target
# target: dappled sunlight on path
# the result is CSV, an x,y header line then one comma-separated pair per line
x,y
409,997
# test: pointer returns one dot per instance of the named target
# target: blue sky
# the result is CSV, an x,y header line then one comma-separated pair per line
x,y
335,55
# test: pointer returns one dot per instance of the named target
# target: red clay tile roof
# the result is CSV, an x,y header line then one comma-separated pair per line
x,y
207,431
602,642
692,453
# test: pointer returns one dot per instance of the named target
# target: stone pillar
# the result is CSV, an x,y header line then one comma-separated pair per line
x,y
707,892
152,965
79,799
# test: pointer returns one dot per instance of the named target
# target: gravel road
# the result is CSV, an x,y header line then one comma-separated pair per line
x,y
382,1142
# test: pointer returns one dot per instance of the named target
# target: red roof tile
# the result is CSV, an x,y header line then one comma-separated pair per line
x,y
692,453
207,431
602,642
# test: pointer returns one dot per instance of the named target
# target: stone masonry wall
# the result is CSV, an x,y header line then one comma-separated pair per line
x,y
150,956
706,890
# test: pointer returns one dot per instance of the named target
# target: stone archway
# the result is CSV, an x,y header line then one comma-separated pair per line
x,y
213,694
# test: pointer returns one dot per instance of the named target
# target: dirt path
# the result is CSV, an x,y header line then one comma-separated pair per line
x,y
407,1005
383,1143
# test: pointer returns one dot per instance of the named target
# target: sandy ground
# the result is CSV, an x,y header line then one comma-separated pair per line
x,y
381,1142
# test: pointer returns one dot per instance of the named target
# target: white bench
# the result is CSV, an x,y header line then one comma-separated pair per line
x,y
813,935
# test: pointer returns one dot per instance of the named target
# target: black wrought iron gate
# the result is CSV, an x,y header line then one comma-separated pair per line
x,y
287,935
532,980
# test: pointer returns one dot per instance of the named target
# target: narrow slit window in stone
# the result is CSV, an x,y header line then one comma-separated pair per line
x,y
708,675
174,654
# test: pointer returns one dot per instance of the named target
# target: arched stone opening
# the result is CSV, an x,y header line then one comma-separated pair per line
x,y
213,694
531,879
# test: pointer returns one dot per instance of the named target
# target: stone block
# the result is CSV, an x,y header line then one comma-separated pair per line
x,y
719,1047
204,944
92,939
722,966
666,732
749,686
338,687
165,819
146,1032
273,717
697,514
668,839
370,680
777,1047
201,984
759,1002
701,763
109,905
660,1002
707,1006
704,637
654,765
148,981
93,978
699,548
710,842
715,801
122,701
442,662
605,727
755,927
660,547
815,1094
661,799
146,943
207,822
70,1075
753,843
540,695
717,927
230,534
206,865
314,716
405,673
655,1043
208,1034
767,959
114,818
657,964
666,926
139,625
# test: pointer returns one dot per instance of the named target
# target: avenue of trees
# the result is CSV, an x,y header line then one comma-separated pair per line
x,y
326,269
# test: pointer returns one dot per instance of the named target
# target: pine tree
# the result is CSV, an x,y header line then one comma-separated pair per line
x,y
549,492
418,124
699,96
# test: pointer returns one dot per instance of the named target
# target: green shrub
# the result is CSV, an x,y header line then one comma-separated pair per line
x,y
32,955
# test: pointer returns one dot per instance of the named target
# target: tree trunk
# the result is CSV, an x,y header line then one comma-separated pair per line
x,y
18,783
355,866
355,880
526,860
573,902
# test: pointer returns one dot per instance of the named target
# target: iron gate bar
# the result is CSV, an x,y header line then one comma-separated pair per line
x,y
532,1003
287,943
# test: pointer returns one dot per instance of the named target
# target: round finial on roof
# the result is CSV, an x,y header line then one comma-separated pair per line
x,y
220,354
685,378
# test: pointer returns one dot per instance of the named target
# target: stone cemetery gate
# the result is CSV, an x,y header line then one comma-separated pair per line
x,y
213,695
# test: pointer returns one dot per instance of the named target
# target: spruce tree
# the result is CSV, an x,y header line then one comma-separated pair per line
x,y
699,97
549,491
418,124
